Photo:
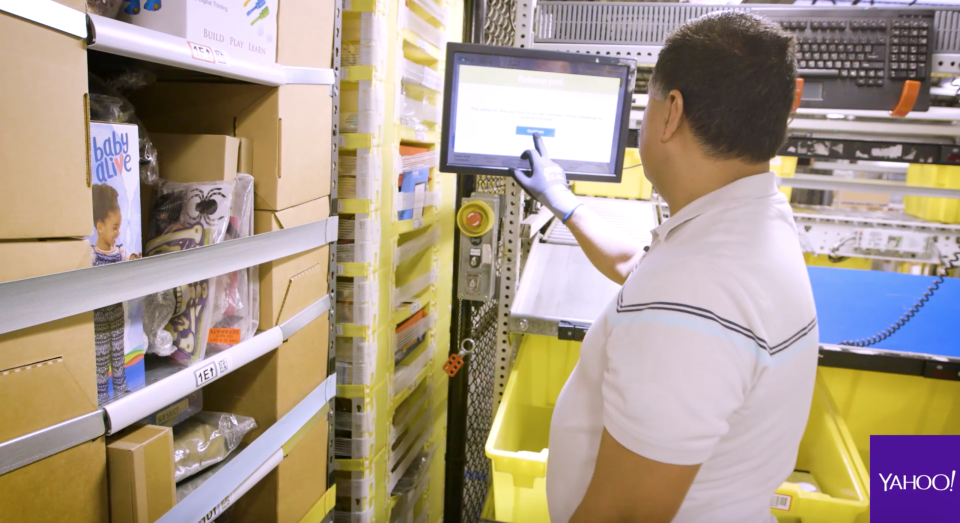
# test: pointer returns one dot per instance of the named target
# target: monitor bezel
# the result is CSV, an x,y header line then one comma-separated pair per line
x,y
561,56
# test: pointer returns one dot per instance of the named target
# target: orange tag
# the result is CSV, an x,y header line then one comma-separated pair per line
x,y
453,364
224,336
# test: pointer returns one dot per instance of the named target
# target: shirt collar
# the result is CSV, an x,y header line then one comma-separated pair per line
x,y
749,188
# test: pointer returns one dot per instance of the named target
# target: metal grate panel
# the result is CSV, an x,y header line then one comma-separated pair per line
x,y
614,22
498,25
635,23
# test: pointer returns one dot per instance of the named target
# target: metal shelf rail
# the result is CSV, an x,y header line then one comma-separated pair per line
x,y
39,300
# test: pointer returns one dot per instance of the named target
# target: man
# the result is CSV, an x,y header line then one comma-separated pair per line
x,y
693,387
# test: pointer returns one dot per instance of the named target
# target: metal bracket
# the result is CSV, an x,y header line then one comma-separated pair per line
x,y
571,332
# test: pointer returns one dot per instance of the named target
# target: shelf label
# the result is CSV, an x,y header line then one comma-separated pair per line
x,y
217,510
415,307
347,5
780,502
338,330
340,270
212,371
421,136
418,223
202,52
422,44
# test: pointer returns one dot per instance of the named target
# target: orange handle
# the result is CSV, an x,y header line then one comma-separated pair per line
x,y
797,94
908,97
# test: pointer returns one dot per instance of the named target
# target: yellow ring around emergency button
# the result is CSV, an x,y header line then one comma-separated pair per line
x,y
474,208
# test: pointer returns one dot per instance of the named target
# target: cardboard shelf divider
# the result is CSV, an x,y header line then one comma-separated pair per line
x,y
123,39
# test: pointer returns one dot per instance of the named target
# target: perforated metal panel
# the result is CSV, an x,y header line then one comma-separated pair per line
x,y
613,22
634,23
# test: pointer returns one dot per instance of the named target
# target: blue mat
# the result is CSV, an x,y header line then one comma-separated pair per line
x,y
853,304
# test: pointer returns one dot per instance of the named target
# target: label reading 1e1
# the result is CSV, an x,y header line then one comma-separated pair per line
x,y
211,371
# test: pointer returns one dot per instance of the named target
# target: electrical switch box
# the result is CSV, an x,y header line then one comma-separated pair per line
x,y
478,221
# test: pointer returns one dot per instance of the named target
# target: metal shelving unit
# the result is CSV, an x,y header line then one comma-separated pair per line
x,y
44,299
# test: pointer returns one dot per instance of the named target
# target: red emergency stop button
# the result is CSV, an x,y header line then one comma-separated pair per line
x,y
474,219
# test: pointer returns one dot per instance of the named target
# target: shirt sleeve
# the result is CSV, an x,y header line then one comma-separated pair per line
x,y
677,369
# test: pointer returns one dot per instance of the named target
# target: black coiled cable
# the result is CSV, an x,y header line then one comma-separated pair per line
x,y
892,329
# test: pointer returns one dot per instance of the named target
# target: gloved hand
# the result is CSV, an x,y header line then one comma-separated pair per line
x,y
547,182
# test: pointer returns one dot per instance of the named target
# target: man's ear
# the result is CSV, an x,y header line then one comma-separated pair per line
x,y
674,115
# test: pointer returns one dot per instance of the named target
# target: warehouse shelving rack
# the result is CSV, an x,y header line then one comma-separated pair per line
x,y
404,278
39,300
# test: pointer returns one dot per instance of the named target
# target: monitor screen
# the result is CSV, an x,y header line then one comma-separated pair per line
x,y
498,97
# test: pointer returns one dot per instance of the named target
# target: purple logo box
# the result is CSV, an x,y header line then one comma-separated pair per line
x,y
914,478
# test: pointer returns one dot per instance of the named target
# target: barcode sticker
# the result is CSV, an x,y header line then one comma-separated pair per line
x,y
340,270
220,56
346,5
201,52
418,223
780,502
421,136
415,307
338,330
422,44
224,336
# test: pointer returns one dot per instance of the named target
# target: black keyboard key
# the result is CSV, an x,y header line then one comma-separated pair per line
x,y
911,74
805,47
801,64
854,65
871,65
841,56
844,73
922,50
859,49
846,65
829,64
893,49
921,71
861,56
871,73
873,56
868,49
895,40
820,64
913,49
861,73
832,48
913,66
879,82
913,58
834,56
921,41
861,81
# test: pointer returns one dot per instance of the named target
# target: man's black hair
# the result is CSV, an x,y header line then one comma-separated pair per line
x,y
737,73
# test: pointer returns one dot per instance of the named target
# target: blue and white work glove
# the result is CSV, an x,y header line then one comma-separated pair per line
x,y
546,182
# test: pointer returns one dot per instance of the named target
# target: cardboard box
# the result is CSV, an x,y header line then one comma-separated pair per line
x,y
79,5
68,486
291,132
291,284
189,158
218,30
45,188
305,33
141,468
119,341
288,493
290,127
47,372
268,387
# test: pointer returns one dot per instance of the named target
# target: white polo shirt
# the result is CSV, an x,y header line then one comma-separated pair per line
x,y
707,356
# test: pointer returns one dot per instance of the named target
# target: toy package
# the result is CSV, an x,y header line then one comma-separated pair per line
x,y
217,31
118,328
410,334
216,313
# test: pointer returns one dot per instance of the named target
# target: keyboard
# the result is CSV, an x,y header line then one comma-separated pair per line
x,y
859,58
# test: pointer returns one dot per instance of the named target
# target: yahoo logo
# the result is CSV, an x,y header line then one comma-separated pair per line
x,y
912,478
916,482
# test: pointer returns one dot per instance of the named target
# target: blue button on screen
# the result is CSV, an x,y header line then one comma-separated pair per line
x,y
528,131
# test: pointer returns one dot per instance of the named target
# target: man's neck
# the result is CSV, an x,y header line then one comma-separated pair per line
x,y
699,177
